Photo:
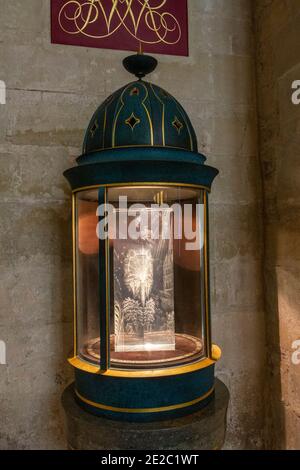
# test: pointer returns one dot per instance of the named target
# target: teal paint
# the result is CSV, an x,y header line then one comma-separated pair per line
x,y
140,134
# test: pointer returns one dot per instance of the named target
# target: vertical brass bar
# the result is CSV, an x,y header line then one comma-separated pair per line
x,y
103,291
207,280
74,240
107,288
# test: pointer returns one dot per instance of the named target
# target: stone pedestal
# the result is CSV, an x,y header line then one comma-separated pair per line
x,y
204,429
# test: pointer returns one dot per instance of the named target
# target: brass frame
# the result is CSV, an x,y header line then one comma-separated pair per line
x,y
206,279
213,352
107,291
81,364
139,183
74,244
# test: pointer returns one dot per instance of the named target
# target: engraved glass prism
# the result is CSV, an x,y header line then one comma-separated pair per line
x,y
144,284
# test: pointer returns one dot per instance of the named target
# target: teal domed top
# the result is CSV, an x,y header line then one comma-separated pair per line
x,y
140,134
139,114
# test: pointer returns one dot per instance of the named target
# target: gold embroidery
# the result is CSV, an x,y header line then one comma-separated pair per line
x,y
76,17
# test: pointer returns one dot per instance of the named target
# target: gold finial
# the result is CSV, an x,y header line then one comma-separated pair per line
x,y
140,48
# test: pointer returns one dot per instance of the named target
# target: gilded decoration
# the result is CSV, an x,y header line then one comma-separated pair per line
x,y
152,113
177,124
146,21
132,121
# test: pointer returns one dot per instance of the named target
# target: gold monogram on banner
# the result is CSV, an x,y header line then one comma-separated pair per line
x,y
138,17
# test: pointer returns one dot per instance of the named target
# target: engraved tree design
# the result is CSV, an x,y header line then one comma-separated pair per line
x,y
149,314
138,318
130,310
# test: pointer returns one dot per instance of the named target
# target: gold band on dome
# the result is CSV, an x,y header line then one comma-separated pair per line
x,y
142,183
171,147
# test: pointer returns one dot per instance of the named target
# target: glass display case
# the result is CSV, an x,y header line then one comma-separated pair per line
x,y
156,275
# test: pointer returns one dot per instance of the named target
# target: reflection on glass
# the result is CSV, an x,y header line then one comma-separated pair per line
x,y
87,274
157,293
155,280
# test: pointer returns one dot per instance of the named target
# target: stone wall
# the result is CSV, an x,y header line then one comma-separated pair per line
x,y
52,91
278,65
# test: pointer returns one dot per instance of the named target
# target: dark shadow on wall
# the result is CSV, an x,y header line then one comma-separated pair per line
x,y
274,411
277,27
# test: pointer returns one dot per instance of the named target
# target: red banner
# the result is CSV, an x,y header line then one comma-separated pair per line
x,y
159,26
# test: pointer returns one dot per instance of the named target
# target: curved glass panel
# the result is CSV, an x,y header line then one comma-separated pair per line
x,y
156,276
154,280
87,274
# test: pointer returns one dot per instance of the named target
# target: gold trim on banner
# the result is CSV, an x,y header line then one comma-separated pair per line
x,y
76,17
